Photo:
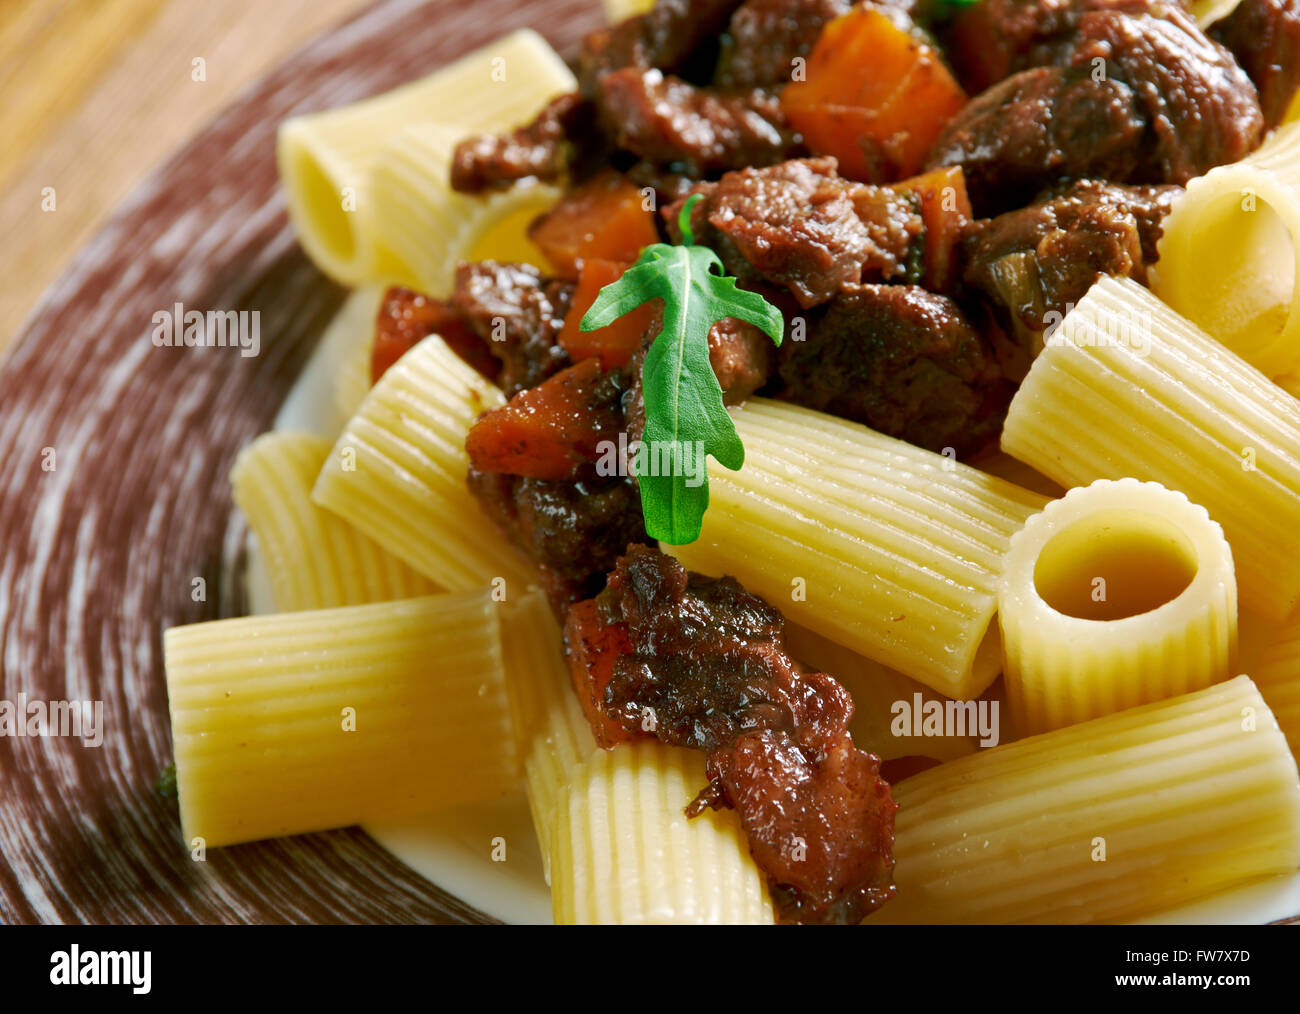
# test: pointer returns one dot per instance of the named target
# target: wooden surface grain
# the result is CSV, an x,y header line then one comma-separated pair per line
x,y
95,93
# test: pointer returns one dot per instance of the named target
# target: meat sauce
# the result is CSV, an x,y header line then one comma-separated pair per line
x,y
699,662
913,305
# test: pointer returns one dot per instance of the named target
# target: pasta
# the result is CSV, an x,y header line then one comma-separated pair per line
x,y
880,546
298,722
617,10
881,697
1122,593
412,202
624,852
1004,466
1228,254
397,473
552,733
352,381
1207,12
326,159
1278,678
1104,821
314,559
1129,388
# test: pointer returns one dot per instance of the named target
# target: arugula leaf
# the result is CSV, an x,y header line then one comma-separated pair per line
x,y
685,417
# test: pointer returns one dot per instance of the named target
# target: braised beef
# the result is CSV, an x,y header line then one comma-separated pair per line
x,y
1264,36
573,531
993,39
905,362
802,226
669,36
822,831
1030,266
742,358
704,666
666,121
407,317
1201,108
540,148
519,314
765,37
1136,92
1037,126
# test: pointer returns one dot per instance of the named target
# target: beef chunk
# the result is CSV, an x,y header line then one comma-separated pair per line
x,y
519,313
741,357
801,226
669,36
540,148
905,362
710,661
823,832
1037,126
765,37
993,39
668,122
1032,265
573,531
407,317
1200,107
702,663
1264,36
1136,93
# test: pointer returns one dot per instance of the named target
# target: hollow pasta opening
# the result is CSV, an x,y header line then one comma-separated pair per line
x,y
1114,564
1245,282
322,195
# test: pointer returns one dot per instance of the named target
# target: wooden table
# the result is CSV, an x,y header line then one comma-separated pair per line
x,y
95,93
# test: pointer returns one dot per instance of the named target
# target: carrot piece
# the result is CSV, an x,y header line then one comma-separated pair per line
x,y
874,96
613,345
593,647
407,317
551,431
945,208
606,218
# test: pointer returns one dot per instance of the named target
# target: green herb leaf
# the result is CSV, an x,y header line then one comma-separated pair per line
x,y
685,417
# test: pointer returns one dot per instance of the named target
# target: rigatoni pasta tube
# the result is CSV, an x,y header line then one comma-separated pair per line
x,y
314,559
624,851
1104,821
1278,678
1119,594
398,472
326,159
880,546
1207,12
1127,388
412,202
619,10
299,722
1228,254
552,733
881,697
